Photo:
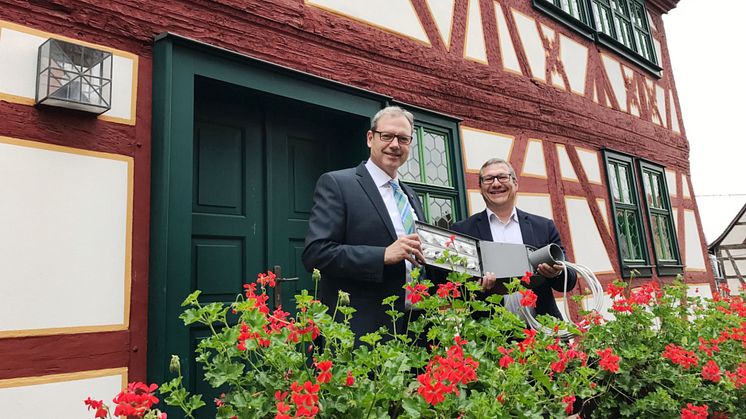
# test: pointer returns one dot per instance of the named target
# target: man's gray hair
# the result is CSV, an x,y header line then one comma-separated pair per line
x,y
497,160
393,111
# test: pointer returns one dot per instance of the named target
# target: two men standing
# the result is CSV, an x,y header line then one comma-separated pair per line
x,y
362,223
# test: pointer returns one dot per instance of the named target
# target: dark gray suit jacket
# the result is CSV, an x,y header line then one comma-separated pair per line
x,y
538,232
348,232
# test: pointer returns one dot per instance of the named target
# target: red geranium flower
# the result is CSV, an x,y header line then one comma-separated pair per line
x,y
711,371
417,292
350,380
694,412
568,401
609,361
529,298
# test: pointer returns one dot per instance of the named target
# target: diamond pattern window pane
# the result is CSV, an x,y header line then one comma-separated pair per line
x,y
411,169
629,235
624,180
436,159
662,238
441,212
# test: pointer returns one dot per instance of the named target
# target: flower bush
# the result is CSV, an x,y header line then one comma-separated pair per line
x,y
663,355
679,356
462,357
136,401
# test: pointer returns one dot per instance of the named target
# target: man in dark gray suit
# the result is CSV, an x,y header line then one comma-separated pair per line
x,y
502,222
361,230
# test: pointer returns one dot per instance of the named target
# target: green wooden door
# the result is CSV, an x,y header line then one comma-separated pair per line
x,y
256,160
302,143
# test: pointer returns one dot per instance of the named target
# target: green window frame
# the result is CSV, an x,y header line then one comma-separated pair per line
x,y
660,219
434,168
625,177
620,25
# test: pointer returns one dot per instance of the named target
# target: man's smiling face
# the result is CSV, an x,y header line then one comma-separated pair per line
x,y
498,196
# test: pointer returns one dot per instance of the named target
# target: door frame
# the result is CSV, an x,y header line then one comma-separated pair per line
x,y
176,62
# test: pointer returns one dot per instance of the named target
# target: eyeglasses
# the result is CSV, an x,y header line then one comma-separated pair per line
x,y
388,137
502,178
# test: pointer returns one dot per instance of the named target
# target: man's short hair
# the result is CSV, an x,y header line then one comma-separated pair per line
x,y
494,161
393,111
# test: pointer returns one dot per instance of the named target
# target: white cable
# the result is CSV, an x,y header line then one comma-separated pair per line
x,y
596,300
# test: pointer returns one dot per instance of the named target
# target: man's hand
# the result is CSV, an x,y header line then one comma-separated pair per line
x,y
549,271
488,281
406,247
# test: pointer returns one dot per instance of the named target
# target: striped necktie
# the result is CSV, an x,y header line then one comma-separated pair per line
x,y
402,204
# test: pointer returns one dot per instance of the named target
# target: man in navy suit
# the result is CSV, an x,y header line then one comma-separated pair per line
x,y
503,222
361,226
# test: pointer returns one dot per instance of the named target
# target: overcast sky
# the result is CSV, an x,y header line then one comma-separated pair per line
x,y
705,40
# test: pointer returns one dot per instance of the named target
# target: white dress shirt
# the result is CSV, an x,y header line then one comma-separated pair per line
x,y
508,231
505,231
381,179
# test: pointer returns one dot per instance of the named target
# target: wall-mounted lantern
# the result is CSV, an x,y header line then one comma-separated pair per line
x,y
73,76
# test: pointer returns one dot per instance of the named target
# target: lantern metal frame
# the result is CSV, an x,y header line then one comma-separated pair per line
x,y
74,76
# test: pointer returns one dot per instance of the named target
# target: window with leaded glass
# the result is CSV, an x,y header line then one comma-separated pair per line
x,y
434,171
627,215
621,25
665,246
626,175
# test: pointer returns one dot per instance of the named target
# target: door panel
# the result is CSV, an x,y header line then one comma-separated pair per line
x,y
255,166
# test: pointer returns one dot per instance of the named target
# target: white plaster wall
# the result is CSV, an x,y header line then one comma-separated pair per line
x,y
660,97
480,146
535,165
555,78
699,290
590,162
575,60
509,57
632,108
604,212
586,241
63,245
442,12
18,56
396,16
535,204
685,187
614,74
673,187
735,286
18,68
59,399
566,169
674,113
736,235
476,202
532,45
475,48
694,258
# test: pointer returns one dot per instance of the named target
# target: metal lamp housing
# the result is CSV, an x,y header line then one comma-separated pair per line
x,y
73,76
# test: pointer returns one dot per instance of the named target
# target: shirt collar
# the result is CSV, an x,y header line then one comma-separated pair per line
x,y
380,178
513,215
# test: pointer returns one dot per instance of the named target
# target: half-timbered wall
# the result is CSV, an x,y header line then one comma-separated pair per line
x,y
77,188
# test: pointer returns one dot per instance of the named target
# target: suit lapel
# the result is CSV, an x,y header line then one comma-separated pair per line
x,y
527,231
370,188
483,226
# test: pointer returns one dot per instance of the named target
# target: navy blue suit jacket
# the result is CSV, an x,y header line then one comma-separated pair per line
x,y
348,232
538,232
